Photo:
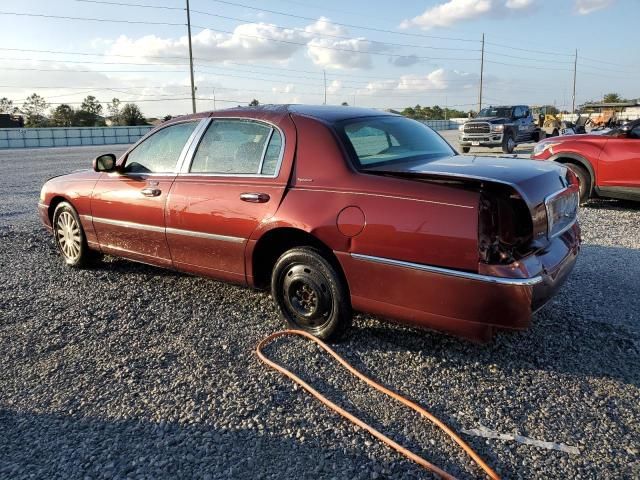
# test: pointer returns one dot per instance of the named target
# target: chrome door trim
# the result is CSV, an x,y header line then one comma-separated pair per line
x,y
449,272
191,145
171,231
122,223
208,236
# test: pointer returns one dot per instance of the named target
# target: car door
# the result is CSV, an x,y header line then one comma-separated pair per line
x,y
230,183
127,206
619,164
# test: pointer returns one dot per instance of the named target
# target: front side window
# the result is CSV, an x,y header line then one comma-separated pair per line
x,y
160,152
387,140
237,147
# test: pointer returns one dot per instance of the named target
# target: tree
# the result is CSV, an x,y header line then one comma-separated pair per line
x,y
131,115
344,104
6,106
612,98
166,118
63,116
34,108
87,115
114,111
254,103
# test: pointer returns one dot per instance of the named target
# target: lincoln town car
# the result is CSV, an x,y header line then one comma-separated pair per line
x,y
333,209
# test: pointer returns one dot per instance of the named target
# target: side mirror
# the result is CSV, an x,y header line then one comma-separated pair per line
x,y
105,163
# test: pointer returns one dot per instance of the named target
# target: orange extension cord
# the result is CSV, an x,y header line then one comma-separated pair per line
x,y
380,436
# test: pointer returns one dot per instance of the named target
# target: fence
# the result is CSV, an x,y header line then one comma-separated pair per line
x,y
68,137
442,124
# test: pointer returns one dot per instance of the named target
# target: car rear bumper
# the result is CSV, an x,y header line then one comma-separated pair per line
x,y
466,304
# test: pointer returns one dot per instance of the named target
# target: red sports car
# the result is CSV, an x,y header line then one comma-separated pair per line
x,y
606,165
334,208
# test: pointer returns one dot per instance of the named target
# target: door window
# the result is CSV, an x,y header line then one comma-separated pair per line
x,y
635,132
238,147
160,152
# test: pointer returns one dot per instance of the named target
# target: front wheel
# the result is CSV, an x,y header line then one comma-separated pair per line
x,y
508,143
70,238
584,180
310,293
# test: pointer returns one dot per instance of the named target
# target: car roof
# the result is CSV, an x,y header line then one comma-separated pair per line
x,y
327,113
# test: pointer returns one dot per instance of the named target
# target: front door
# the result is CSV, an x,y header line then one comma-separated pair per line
x,y
231,185
619,165
128,206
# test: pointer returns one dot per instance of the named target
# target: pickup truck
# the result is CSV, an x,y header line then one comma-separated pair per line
x,y
503,126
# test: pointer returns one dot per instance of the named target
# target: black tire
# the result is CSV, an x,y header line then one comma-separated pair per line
x,y
70,238
310,293
585,181
466,149
508,142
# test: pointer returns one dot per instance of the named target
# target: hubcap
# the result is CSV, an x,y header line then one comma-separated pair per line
x,y
511,144
68,235
307,297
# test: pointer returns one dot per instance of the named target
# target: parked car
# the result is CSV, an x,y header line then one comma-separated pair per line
x,y
334,209
503,126
606,164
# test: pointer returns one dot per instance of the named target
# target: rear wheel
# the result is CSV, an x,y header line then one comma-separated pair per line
x,y
508,143
466,149
70,238
310,293
584,180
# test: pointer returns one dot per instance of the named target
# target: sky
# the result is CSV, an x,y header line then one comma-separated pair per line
x,y
380,54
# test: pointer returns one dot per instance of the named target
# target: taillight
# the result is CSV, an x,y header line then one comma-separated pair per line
x,y
505,228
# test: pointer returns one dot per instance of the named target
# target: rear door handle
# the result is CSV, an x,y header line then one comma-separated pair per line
x,y
255,197
151,192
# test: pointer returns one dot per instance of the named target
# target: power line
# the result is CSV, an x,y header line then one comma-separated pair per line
x,y
544,52
350,50
91,19
124,4
408,34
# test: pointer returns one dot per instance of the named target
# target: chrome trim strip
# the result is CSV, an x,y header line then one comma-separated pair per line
x,y
192,142
449,272
208,236
122,223
264,151
173,231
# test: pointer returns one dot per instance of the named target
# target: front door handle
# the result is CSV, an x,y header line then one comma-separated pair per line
x,y
255,197
151,192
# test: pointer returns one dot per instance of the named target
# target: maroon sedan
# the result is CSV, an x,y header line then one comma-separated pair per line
x,y
334,208
607,165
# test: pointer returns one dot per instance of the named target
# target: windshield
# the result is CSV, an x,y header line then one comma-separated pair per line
x,y
495,112
387,140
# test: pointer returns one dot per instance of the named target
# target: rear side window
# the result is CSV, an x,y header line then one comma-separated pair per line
x,y
386,140
160,152
238,147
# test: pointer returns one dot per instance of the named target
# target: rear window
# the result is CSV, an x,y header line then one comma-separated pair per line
x,y
379,141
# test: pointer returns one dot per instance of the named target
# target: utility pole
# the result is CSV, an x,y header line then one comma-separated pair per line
x,y
324,73
481,75
575,74
193,88
214,98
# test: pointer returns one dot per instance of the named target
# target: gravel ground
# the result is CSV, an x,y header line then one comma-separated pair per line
x,y
128,371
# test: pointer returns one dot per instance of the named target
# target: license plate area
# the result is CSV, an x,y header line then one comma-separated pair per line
x,y
475,144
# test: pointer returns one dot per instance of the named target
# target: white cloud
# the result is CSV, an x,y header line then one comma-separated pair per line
x,y
257,42
334,87
437,80
249,41
288,88
454,11
585,7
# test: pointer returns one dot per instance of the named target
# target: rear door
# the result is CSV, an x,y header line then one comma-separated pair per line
x,y
231,182
128,206
619,164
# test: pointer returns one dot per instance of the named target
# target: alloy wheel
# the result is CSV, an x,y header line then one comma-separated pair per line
x,y
68,236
